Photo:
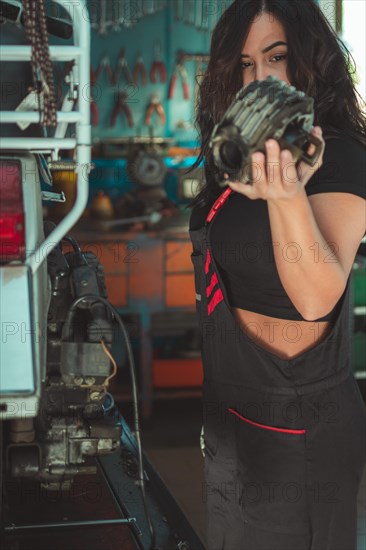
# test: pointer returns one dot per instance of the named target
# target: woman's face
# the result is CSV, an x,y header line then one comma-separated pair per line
x,y
265,50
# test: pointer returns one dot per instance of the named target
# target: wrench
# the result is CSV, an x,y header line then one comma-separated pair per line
x,y
103,17
148,7
190,8
115,16
198,15
179,10
205,16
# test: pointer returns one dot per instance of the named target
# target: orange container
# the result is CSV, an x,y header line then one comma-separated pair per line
x,y
64,181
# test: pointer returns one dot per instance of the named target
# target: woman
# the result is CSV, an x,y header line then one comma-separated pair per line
x,y
284,422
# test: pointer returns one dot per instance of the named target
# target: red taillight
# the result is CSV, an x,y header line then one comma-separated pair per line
x,y
12,235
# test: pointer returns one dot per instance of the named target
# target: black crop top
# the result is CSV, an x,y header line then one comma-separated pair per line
x,y
241,234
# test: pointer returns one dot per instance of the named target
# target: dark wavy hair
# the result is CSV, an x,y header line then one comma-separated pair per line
x,y
318,63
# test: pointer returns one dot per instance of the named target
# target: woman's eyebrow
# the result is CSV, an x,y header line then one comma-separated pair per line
x,y
278,43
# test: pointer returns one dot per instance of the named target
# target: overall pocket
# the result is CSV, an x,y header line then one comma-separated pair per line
x,y
272,474
218,425
219,443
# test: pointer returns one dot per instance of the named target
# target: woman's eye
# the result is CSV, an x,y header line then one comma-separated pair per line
x,y
279,57
244,65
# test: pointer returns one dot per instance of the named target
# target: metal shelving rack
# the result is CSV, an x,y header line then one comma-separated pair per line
x,y
80,54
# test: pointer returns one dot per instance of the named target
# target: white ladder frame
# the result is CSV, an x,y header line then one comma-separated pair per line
x,y
80,54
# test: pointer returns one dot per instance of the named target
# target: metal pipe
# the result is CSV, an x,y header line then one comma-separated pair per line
x,y
24,53
37,144
32,116
154,217
69,524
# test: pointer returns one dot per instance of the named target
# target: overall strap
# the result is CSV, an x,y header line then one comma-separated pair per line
x,y
218,204
215,290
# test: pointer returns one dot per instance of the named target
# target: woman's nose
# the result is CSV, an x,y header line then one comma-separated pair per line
x,y
258,73
261,73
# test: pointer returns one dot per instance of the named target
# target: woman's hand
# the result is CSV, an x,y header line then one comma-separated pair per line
x,y
275,175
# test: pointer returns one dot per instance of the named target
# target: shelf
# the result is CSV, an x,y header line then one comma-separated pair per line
x,y
177,373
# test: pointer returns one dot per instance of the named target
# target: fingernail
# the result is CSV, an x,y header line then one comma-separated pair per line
x,y
270,142
286,155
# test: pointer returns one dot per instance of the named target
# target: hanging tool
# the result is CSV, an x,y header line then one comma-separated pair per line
x,y
155,105
128,9
94,112
178,10
148,7
116,16
206,11
139,9
121,106
198,15
122,69
139,69
120,12
158,66
189,12
103,17
179,69
93,16
104,65
92,76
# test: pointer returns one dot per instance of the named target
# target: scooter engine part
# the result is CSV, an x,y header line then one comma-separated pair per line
x,y
260,111
147,168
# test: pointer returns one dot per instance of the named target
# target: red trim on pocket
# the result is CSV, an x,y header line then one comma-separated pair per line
x,y
212,285
216,299
208,261
264,426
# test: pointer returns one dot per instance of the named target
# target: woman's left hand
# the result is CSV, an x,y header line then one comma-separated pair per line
x,y
275,175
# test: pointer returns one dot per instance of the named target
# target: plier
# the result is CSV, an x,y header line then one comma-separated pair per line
x,y
122,68
121,105
104,65
94,112
158,66
139,69
179,69
155,105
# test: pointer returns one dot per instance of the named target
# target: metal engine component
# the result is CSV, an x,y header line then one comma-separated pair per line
x,y
262,110
22,430
146,167
76,415
61,453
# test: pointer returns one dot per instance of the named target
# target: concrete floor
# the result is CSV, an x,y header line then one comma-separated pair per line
x,y
172,445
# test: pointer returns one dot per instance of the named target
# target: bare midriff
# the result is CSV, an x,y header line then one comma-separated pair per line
x,y
282,337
